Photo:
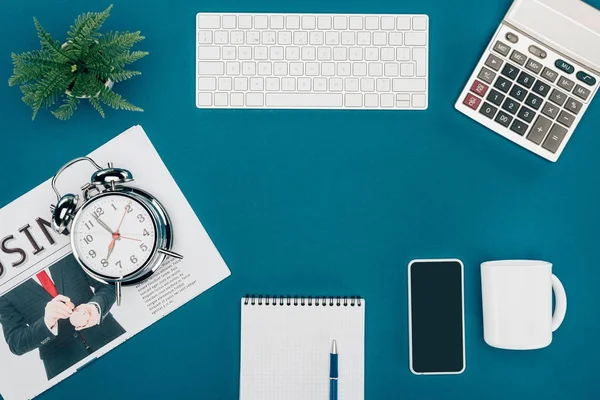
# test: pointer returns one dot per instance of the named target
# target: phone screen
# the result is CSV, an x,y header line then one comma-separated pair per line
x,y
436,316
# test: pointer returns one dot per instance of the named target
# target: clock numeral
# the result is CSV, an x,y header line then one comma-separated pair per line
x,y
98,212
89,225
113,206
141,218
92,254
146,233
133,259
104,262
88,239
128,208
118,264
143,247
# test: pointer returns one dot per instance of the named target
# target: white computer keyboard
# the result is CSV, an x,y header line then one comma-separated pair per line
x,y
316,61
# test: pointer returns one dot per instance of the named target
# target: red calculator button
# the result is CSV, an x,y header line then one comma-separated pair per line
x,y
479,87
472,101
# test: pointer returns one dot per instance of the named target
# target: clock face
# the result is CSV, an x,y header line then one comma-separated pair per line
x,y
114,235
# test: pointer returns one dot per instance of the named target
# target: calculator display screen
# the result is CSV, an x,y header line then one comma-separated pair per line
x,y
436,316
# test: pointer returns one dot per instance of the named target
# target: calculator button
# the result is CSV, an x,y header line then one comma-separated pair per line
x,y
558,97
566,83
502,84
536,51
517,57
550,110
566,118
472,101
539,130
541,88
511,37
511,106
581,92
488,110
519,127
534,101
555,138
525,79
486,75
533,66
573,105
586,78
501,48
526,114
493,62
510,71
503,119
564,66
479,88
518,92
549,74
495,97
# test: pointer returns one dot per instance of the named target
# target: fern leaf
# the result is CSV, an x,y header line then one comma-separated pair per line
x,y
116,101
85,31
128,58
56,81
123,75
53,47
31,66
96,104
66,110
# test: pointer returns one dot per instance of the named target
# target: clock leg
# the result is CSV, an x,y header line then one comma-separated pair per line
x,y
118,290
170,253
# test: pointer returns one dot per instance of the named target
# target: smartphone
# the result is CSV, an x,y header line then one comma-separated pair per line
x,y
436,316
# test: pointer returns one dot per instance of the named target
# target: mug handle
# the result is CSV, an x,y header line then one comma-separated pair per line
x,y
560,307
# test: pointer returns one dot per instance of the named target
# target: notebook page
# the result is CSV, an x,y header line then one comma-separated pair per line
x,y
285,351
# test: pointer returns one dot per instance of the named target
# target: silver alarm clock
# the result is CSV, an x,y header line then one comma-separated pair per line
x,y
120,235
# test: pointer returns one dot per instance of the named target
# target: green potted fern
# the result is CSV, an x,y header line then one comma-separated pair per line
x,y
84,68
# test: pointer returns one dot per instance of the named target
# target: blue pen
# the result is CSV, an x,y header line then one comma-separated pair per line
x,y
333,372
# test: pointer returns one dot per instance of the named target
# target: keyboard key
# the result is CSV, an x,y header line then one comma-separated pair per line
x,y
510,71
573,105
533,66
472,101
236,99
324,22
518,92
586,78
403,54
581,92
204,99
221,37
395,38
356,54
292,22
403,23
486,75
388,53
408,70
565,83
284,38
248,68
539,130
319,84
534,101
415,38
420,58
211,68
353,100
388,23
207,84
502,84
477,87
233,68
245,22
363,38
519,127
371,22
209,21
511,106
403,100
558,97
229,22
549,74
488,110
340,23
300,37
372,54
309,22
260,22
205,37
221,99
541,88
277,22
237,37
495,97
518,57
501,48
550,110
526,114
371,100
566,118
503,119
225,83
391,69
526,80
384,85
255,99
356,22
288,84
324,54
379,38
409,85
536,51
555,138
257,84
304,84
209,53
240,84
419,23
367,85
493,62
387,100
564,66
419,100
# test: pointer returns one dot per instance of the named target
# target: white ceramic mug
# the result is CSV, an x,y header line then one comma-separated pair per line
x,y
517,304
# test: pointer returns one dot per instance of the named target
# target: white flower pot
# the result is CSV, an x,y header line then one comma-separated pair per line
x,y
109,84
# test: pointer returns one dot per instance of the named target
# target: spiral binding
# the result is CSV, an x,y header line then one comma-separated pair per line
x,y
324,301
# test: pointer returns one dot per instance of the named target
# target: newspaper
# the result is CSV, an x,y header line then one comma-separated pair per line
x,y
35,356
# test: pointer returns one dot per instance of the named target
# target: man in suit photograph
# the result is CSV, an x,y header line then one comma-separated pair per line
x,y
62,312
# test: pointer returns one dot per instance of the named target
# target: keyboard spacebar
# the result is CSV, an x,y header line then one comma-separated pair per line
x,y
312,100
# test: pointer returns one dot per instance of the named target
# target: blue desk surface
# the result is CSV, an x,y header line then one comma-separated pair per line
x,y
330,202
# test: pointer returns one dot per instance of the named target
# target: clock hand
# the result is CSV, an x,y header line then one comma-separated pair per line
x,y
111,246
102,224
130,238
123,217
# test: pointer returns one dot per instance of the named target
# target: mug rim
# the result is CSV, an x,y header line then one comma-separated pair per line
x,y
516,263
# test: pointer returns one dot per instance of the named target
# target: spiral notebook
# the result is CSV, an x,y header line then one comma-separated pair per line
x,y
286,342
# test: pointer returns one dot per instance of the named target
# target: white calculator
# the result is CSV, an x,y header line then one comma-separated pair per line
x,y
538,75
